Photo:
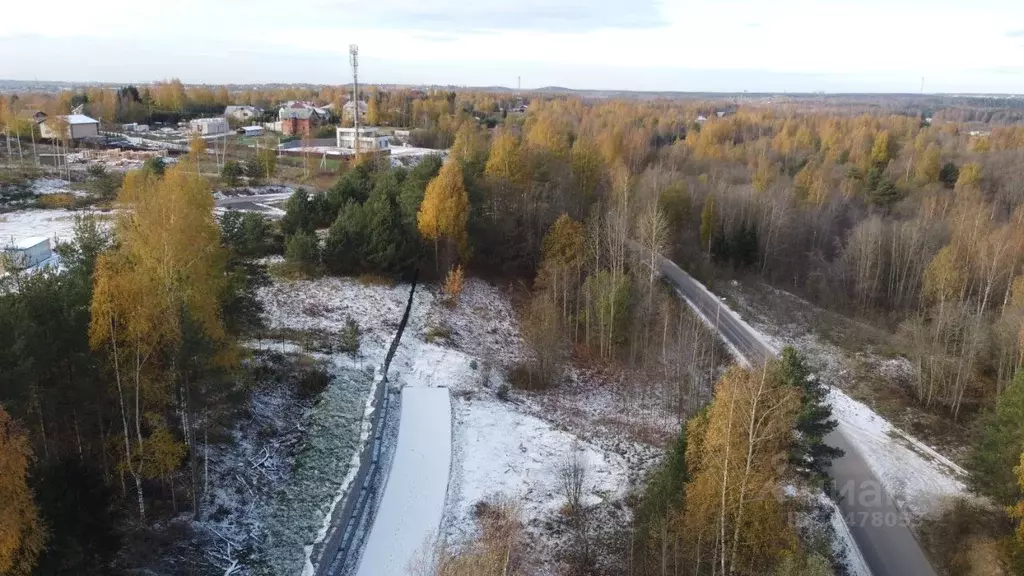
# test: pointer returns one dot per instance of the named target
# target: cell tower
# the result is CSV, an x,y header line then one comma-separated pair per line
x,y
353,58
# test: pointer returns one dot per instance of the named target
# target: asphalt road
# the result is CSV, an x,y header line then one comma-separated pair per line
x,y
881,531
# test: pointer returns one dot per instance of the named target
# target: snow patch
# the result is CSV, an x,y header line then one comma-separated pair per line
x,y
503,453
915,475
57,225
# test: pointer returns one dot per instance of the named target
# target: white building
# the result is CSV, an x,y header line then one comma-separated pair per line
x,y
252,130
370,139
26,253
242,113
77,126
210,126
135,127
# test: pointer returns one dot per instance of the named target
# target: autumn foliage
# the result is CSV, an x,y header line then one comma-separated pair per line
x,y
21,533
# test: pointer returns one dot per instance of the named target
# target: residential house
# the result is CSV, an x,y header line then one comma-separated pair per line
x,y
301,118
209,126
242,113
76,127
370,139
347,114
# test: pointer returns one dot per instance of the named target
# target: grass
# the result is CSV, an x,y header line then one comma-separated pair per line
x,y
435,333
969,540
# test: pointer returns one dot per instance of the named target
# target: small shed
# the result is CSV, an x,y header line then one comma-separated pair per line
x,y
77,126
27,252
252,130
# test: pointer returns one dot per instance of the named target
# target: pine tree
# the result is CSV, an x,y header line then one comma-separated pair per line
x,y
809,453
298,214
1000,444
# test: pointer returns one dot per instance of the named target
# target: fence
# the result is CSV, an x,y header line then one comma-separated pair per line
x,y
340,543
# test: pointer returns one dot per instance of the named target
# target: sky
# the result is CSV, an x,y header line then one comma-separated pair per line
x,y
956,46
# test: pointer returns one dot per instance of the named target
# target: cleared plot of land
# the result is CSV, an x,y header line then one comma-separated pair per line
x,y
410,512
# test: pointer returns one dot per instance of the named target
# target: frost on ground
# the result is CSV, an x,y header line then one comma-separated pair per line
x,y
56,225
320,474
270,189
506,454
915,474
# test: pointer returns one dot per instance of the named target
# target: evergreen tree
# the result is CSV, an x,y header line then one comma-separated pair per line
x,y
1000,443
345,248
355,185
298,214
83,520
949,175
302,250
808,452
245,233
413,188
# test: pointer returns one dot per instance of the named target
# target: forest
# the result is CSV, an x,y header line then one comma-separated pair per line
x,y
115,370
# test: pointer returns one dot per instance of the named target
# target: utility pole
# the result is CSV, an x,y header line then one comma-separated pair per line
x,y
353,58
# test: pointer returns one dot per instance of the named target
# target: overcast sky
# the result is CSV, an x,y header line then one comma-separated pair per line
x,y
689,45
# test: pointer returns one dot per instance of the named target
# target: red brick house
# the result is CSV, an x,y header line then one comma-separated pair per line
x,y
301,118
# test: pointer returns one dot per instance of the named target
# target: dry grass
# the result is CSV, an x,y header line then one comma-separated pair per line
x,y
968,540
376,280
498,551
57,201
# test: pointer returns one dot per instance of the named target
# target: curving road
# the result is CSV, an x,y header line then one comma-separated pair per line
x,y
878,526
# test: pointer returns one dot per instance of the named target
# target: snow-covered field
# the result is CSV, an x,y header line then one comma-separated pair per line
x,y
503,454
53,224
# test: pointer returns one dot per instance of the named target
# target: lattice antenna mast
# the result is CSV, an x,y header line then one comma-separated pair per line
x,y
353,58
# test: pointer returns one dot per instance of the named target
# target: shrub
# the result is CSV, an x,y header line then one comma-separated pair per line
x,y
57,201
154,165
232,173
312,382
348,341
453,284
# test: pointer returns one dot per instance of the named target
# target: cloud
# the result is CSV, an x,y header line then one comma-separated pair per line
x,y
461,16
1016,33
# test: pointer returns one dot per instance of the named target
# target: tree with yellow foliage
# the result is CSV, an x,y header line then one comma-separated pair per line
x,y
196,149
927,168
506,162
21,533
470,144
167,269
444,212
881,150
736,448
546,136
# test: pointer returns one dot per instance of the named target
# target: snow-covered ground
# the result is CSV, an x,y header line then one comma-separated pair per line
x,y
503,454
510,449
914,474
56,225
414,496
270,190
47,186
